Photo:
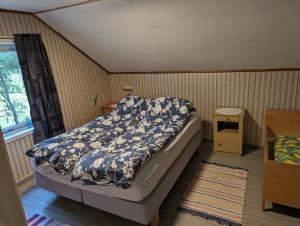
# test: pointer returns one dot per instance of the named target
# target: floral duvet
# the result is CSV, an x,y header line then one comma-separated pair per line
x,y
113,147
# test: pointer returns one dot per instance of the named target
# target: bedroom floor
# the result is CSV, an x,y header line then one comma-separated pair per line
x,y
40,201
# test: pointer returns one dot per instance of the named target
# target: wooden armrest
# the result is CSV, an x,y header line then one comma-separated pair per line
x,y
279,122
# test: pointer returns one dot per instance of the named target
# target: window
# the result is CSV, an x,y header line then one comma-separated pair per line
x,y
14,106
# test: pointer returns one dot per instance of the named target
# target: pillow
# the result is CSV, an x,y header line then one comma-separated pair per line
x,y
132,105
169,106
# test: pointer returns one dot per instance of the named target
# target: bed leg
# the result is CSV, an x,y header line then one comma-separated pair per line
x,y
263,205
155,220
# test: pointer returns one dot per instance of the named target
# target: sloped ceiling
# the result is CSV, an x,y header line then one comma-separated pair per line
x,y
176,35
35,5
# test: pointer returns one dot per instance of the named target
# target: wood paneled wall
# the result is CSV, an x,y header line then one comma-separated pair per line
x,y
78,79
20,163
254,91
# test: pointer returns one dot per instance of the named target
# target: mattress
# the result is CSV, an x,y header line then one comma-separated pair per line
x,y
147,178
143,212
46,177
287,149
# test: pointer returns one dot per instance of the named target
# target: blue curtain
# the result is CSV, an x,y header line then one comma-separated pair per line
x,y
40,87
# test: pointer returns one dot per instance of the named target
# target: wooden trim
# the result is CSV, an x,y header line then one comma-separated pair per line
x,y
66,6
25,179
6,37
207,71
15,11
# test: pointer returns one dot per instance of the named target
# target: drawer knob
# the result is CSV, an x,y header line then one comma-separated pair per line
x,y
228,119
219,144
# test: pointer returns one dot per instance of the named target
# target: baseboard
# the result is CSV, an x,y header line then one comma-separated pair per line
x,y
24,180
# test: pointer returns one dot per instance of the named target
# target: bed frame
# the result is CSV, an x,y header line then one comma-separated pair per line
x,y
281,181
143,212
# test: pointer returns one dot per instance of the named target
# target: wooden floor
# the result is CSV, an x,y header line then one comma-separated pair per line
x,y
48,204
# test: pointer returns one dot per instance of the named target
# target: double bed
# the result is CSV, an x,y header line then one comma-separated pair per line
x,y
141,201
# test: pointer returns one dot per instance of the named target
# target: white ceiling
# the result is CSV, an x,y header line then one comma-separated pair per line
x,y
35,5
166,35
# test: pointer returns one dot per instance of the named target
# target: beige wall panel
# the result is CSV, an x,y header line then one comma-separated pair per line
x,y
20,163
254,91
78,79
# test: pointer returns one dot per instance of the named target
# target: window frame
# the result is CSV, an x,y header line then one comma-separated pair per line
x,y
18,128
24,127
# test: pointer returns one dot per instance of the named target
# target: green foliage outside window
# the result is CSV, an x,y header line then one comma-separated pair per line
x,y
14,107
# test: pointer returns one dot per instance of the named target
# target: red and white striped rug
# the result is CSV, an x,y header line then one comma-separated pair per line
x,y
39,220
216,193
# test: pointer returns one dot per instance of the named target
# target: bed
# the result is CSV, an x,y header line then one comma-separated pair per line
x,y
281,180
141,201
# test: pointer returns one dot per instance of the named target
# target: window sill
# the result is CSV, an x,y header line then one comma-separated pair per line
x,y
12,136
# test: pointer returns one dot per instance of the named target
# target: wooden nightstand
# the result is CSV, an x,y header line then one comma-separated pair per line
x,y
228,132
108,108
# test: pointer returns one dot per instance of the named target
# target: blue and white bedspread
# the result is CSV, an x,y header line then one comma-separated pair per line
x,y
64,150
112,148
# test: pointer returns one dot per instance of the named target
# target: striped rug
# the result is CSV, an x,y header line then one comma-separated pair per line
x,y
39,220
216,193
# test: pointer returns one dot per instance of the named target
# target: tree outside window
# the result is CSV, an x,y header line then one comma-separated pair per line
x,y
14,107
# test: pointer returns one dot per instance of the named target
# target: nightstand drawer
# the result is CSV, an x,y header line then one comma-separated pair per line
x,y
227,143
227,118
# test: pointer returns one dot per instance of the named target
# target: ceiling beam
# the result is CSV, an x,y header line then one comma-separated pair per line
x,y
66,6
